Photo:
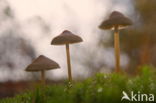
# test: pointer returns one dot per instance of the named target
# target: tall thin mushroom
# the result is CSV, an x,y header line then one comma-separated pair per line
x,y
116,22
66,38
42,64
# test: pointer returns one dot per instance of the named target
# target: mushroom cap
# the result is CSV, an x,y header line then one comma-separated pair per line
x,y
116,19
42,63
66,37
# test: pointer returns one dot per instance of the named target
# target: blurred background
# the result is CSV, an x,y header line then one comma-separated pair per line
x,y
28,26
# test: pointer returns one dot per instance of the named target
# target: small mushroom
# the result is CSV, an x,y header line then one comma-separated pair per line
x,y
66,38
115,22
42,64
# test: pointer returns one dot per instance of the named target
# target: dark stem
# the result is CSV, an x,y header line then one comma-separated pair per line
x,y
68,63
117,49
43,77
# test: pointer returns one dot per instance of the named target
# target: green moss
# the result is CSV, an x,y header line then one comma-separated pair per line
x,y
102,88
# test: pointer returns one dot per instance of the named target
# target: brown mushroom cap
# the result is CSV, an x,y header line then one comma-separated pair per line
x,y
116,19
42,63
66,37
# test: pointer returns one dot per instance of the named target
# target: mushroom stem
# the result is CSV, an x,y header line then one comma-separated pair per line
x,y
68,63
117,49
43,77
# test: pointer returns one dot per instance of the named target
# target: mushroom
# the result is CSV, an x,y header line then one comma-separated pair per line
x,y
115,22
42,63
66,38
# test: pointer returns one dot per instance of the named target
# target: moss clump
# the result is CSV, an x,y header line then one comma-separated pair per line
x,y
101,88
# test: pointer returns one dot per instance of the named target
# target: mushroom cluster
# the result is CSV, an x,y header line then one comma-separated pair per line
x,y
115,22
43,63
